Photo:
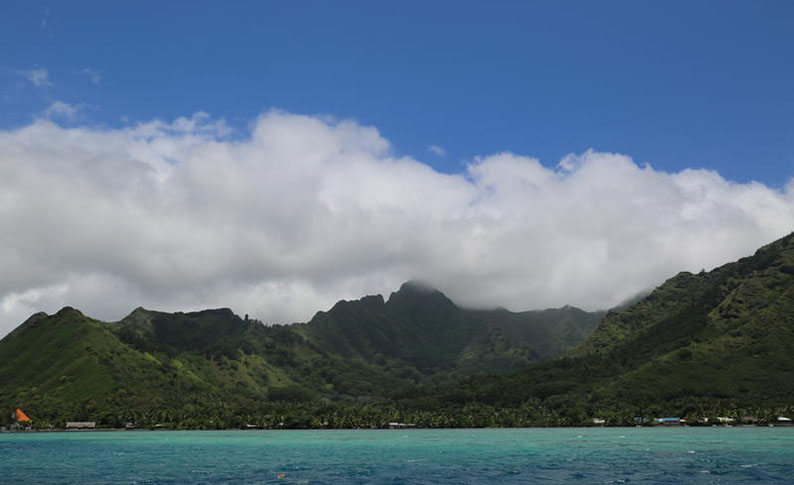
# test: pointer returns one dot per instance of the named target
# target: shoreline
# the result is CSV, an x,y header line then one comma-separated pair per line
x,y
109,430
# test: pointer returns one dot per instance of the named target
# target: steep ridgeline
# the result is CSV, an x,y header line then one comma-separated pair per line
x,y
155,366
721,339
419,332
69,358
244,357
152,366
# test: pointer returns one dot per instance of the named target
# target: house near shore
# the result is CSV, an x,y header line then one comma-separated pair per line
x,y
671,421
80,424
401,425
19,420
20,416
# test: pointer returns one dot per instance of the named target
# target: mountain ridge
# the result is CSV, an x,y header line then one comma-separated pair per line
x,y
703,345
189,359
699,343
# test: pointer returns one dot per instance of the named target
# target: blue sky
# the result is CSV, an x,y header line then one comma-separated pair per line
x,y
284,199
676,84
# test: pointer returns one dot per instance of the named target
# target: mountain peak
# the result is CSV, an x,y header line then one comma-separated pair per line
x,y
223,312
417,286
35,317
416,294
29,323
139,316
69,311
139,311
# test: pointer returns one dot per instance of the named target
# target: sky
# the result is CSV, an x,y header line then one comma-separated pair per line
x,y
275,157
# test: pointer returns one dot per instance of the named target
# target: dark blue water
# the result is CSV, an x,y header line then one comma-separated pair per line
x,y
593,455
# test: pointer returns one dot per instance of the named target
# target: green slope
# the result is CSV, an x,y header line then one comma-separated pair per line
x,y
419,332
244,357
698,343
209,367
68,365
51,352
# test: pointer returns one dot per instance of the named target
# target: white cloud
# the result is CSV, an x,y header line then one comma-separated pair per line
x,y
37,76
64,111
93,75
305,211
438,150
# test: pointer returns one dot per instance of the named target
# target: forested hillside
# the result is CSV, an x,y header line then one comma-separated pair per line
x,y
699,344
203,368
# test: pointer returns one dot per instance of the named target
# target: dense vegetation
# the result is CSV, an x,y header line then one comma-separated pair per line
x,y
213,368
422,335
699,346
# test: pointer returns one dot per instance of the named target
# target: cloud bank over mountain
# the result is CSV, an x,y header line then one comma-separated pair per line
x,y
302,211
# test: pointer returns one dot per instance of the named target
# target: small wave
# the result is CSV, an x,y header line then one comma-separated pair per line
x,y
752,465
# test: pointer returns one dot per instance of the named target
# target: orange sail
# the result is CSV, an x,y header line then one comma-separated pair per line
x,y
21,416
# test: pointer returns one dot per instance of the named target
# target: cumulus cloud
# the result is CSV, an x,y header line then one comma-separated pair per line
x,y
37,76
303,211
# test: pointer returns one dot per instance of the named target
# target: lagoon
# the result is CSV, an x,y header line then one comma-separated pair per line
x,y
529,455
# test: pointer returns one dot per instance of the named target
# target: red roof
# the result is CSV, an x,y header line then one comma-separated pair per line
x,y
21,416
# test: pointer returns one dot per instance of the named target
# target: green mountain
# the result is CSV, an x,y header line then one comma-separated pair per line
x,y
174,367
698,344
419,333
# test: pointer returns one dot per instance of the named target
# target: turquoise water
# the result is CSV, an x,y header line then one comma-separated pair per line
x,y
591,455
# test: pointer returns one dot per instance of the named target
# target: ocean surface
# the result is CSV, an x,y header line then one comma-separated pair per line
x,y
546,455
